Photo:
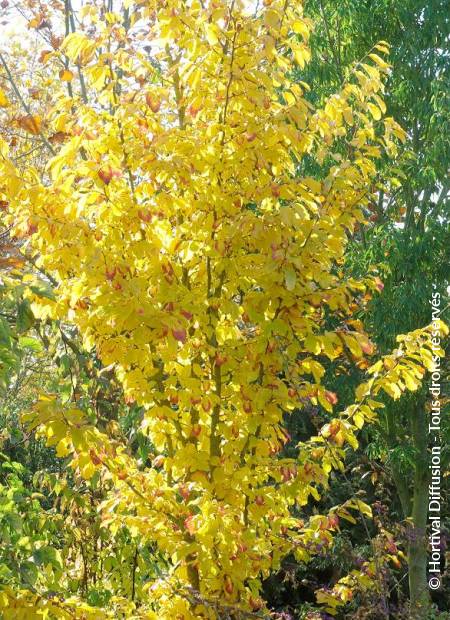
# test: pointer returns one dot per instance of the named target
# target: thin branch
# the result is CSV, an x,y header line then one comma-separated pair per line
x,y
331,42
23,103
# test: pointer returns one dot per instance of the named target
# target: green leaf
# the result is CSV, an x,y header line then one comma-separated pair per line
x,y
43,289
290,278
27,342
25,317
5,332
46,555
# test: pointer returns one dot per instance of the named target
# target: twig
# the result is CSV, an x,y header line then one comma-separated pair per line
x,y
23,103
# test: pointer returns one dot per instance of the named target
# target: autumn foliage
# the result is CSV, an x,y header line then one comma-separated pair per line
x,y
179,219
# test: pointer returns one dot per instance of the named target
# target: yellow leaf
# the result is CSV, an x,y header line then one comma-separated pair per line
x,y
379,61
314,185
351,439
427,359
35,22
300,27
358,420
410,381
300,57
271,18
348,116
353,345
289,97
4,101
78,47
375,111
211,34
346,515
382,107
312,344
382,46
391,389
364,508
324,402
65,75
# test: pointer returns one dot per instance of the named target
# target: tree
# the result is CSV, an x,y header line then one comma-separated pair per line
x,y
198,261
408,237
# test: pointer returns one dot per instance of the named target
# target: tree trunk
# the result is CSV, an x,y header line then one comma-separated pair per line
x,y
403,491
400,480
418,549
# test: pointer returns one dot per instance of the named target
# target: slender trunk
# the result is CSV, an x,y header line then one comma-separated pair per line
x,y
400,480
418,550
403,491
192,566
193,576
133,574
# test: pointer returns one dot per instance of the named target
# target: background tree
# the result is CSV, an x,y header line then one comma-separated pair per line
x,y
408,237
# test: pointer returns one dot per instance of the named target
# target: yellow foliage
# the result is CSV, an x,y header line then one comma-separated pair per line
x,y
191,257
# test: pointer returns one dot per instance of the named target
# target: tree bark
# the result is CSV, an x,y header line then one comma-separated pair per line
x,y
400,480
418,548
403,491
